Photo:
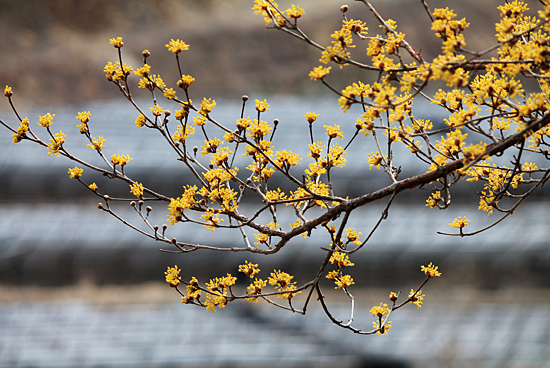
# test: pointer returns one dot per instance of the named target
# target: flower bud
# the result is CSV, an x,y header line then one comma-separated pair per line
x,y
173,241
149,209
244,98
100,206
344,9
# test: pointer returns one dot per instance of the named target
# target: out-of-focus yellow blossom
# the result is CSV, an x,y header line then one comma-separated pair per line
x,y
7,91
140,121
169,93
319,73
76,173
93,187
199,120
117,42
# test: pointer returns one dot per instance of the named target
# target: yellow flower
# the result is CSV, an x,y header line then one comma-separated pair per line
x,y
56,143
97,143
180,135
84,117
341,260
295,12
311,116
117,42
46,120
137,189
177,46
76,173
7,91
140,121
83,128
255,288
143,71
431,270
206,106
156,110
120,160
259,129
379,311
249,269
193,291
93,187
211,219
416,299
353,236
244,123
169,93
382,330
319,73
199,120
262,106
21,131
185,81
343,282
334,132
460,222
173,276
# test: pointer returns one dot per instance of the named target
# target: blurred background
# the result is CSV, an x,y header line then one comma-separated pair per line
x,y
80,289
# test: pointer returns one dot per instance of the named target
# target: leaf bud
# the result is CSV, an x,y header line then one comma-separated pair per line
x,y
173,241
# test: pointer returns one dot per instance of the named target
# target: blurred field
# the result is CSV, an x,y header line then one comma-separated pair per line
x,y
53,52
